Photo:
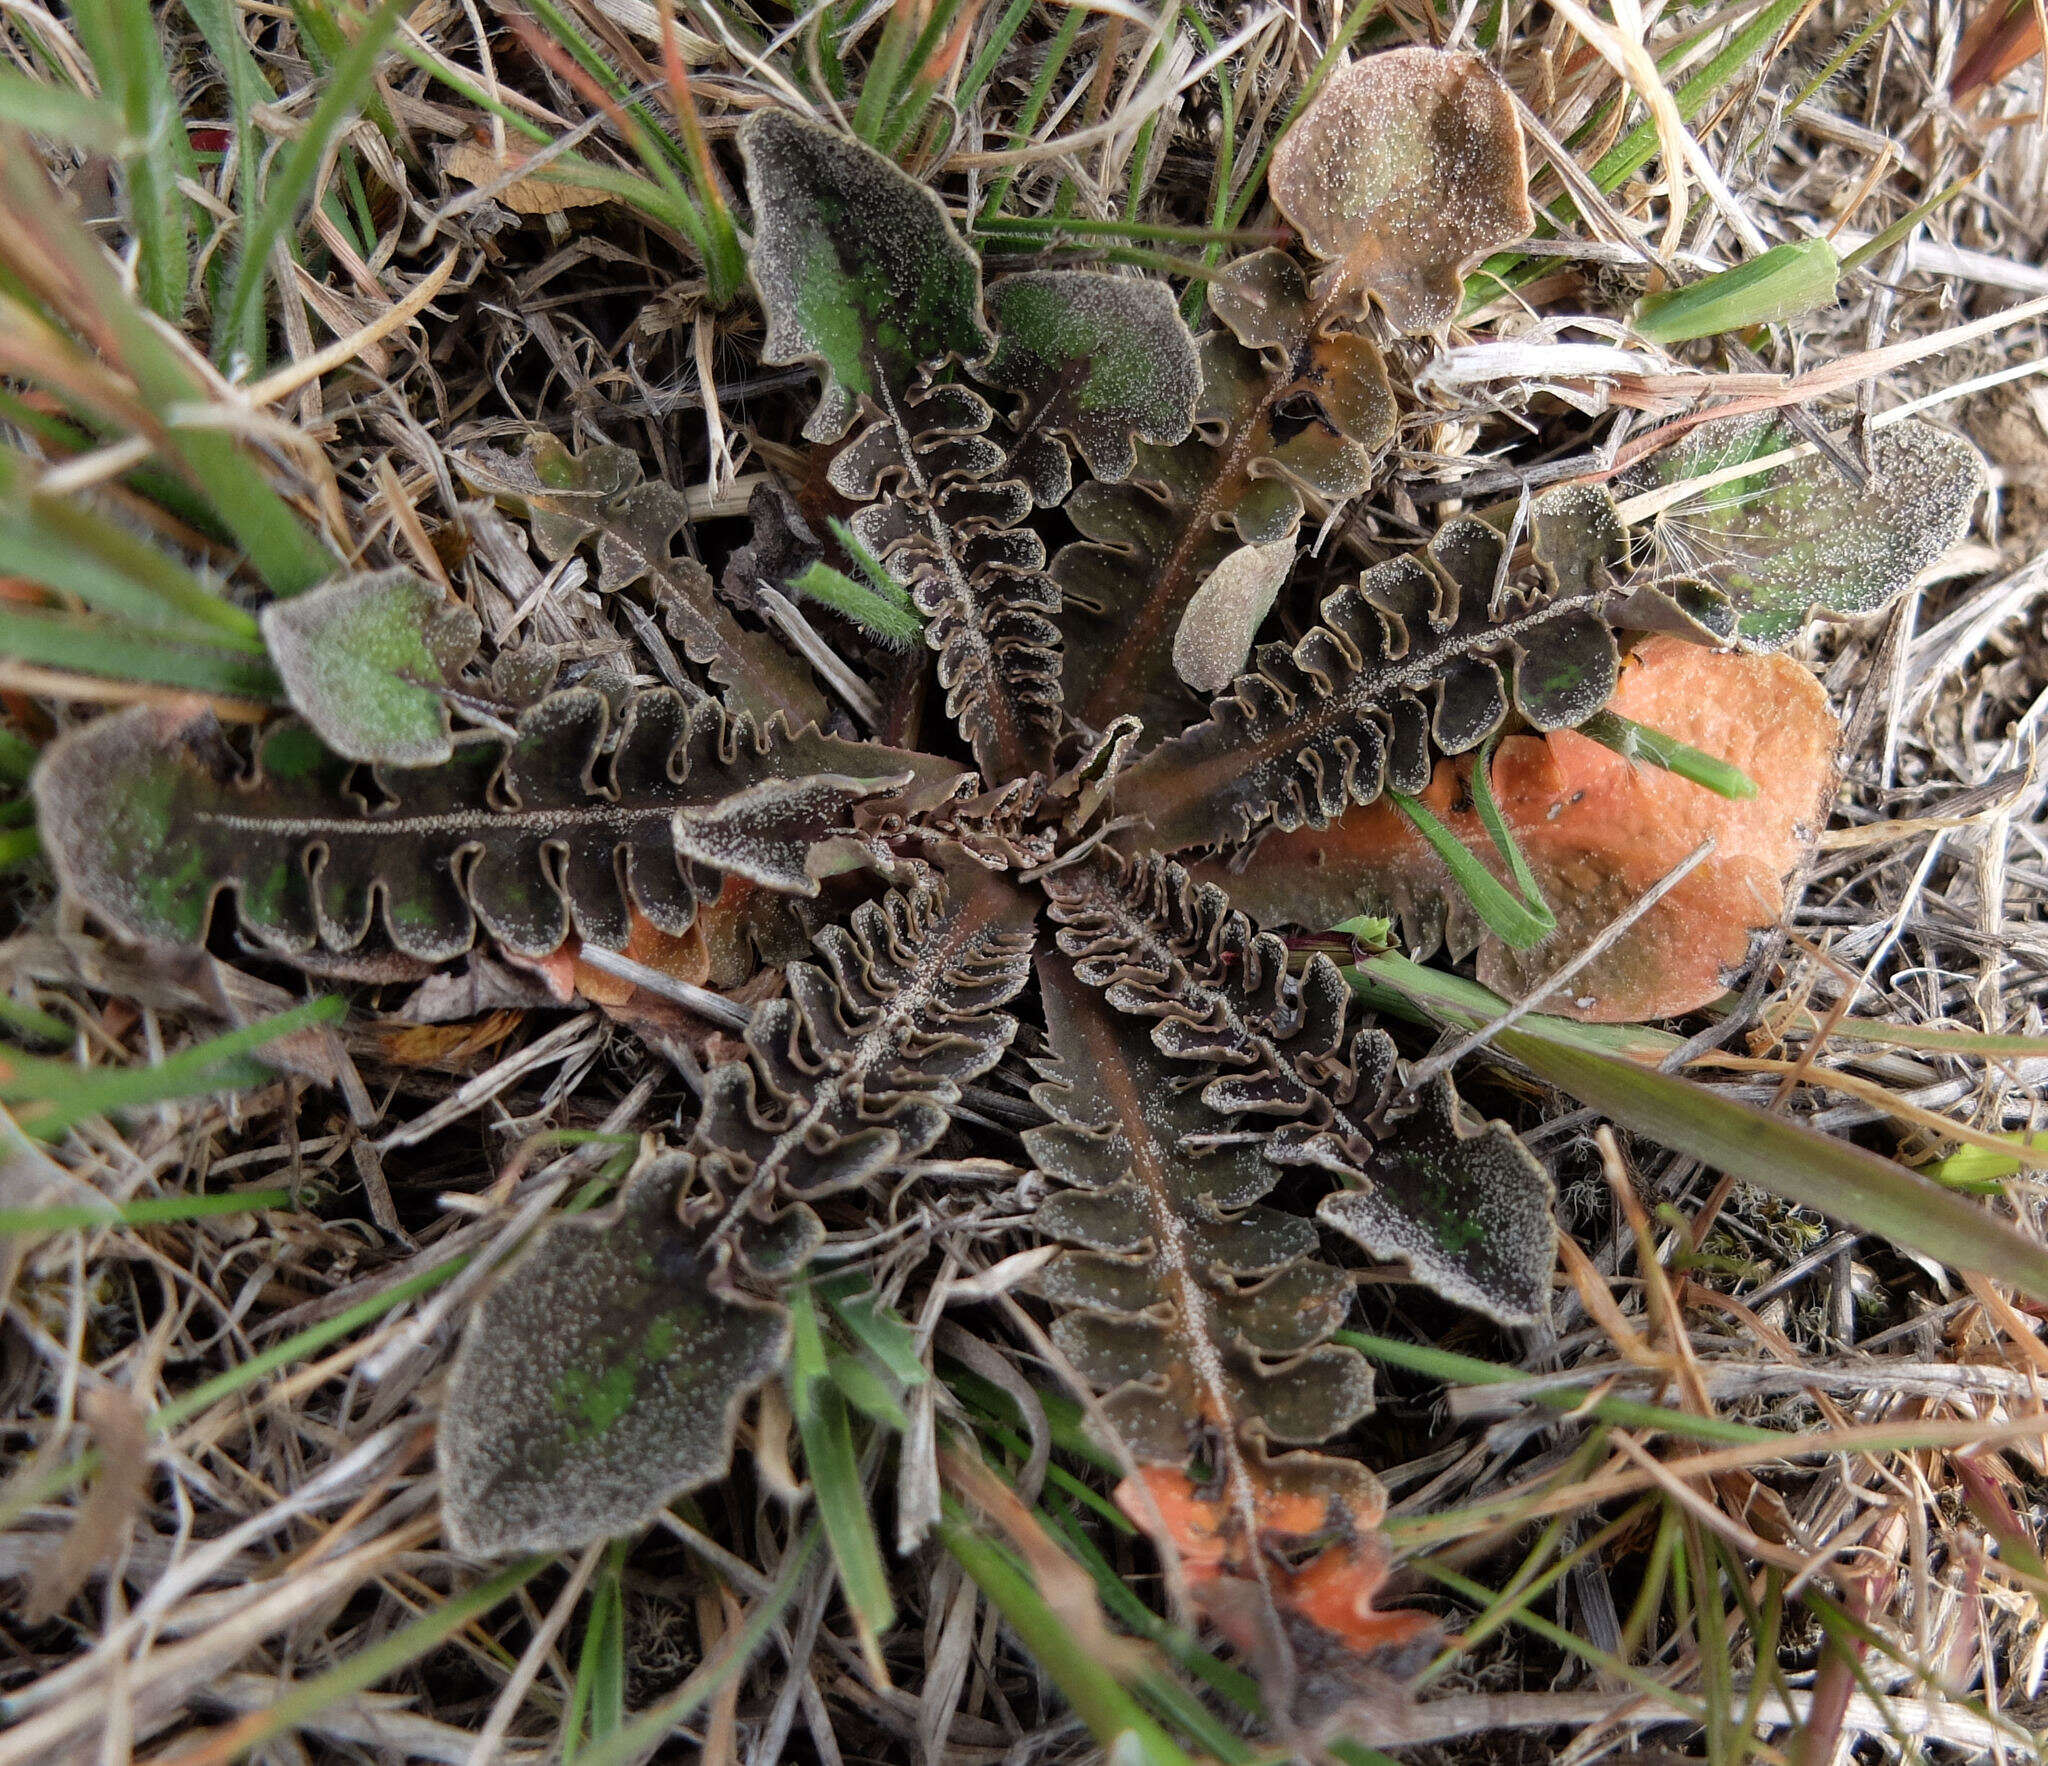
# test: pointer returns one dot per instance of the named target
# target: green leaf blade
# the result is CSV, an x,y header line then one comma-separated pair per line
x,y
1815,1170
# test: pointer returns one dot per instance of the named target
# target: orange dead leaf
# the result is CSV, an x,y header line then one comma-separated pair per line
x,y
1597,831
682,958
1326,1597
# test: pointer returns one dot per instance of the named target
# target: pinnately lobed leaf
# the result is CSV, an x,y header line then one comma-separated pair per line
x,y
1422,654
1405,171
365,660
599,499
598,1380
577,820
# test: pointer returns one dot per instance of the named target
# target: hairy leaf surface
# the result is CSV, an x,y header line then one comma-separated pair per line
x,y
1426,653
859,268
1204,1319
1286,414
569,826
599,499
944,516
365,660
854,1073
1192,1308
1797,536
1467,1209
1103,361
598,1380
1598,831
1406,169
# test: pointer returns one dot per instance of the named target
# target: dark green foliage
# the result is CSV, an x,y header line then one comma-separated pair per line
x,y
602,1383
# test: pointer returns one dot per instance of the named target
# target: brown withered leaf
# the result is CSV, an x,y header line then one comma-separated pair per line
x,y
475,164
1406,170
1315,1532
1597,831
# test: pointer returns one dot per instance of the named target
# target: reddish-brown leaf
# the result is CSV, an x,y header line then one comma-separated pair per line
x,y
1598,831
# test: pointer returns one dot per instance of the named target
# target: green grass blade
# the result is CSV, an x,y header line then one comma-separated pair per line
x,y
1498,275
73,275
220,25
1391,983
1815,1170
639,1737
597,1699
135,653
58,112
28,1020
826,1432
23,1495
269,220
1634,741
984,62
1626,1413
1514,922
895,622
1056,54
1782,283
302,1344
1113,1716
76,550
60,1094
149,1211
121,37
383,1658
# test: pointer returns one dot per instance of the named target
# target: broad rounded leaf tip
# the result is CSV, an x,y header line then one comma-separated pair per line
x,y
599,1379
859,268
364,660
1104,360
1798,536
1406,170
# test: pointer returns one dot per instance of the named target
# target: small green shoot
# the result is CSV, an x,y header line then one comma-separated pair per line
x,y
597,1698
880,606
1115,1718
819,1406
237,336
1782,283
1638,742
1522,917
